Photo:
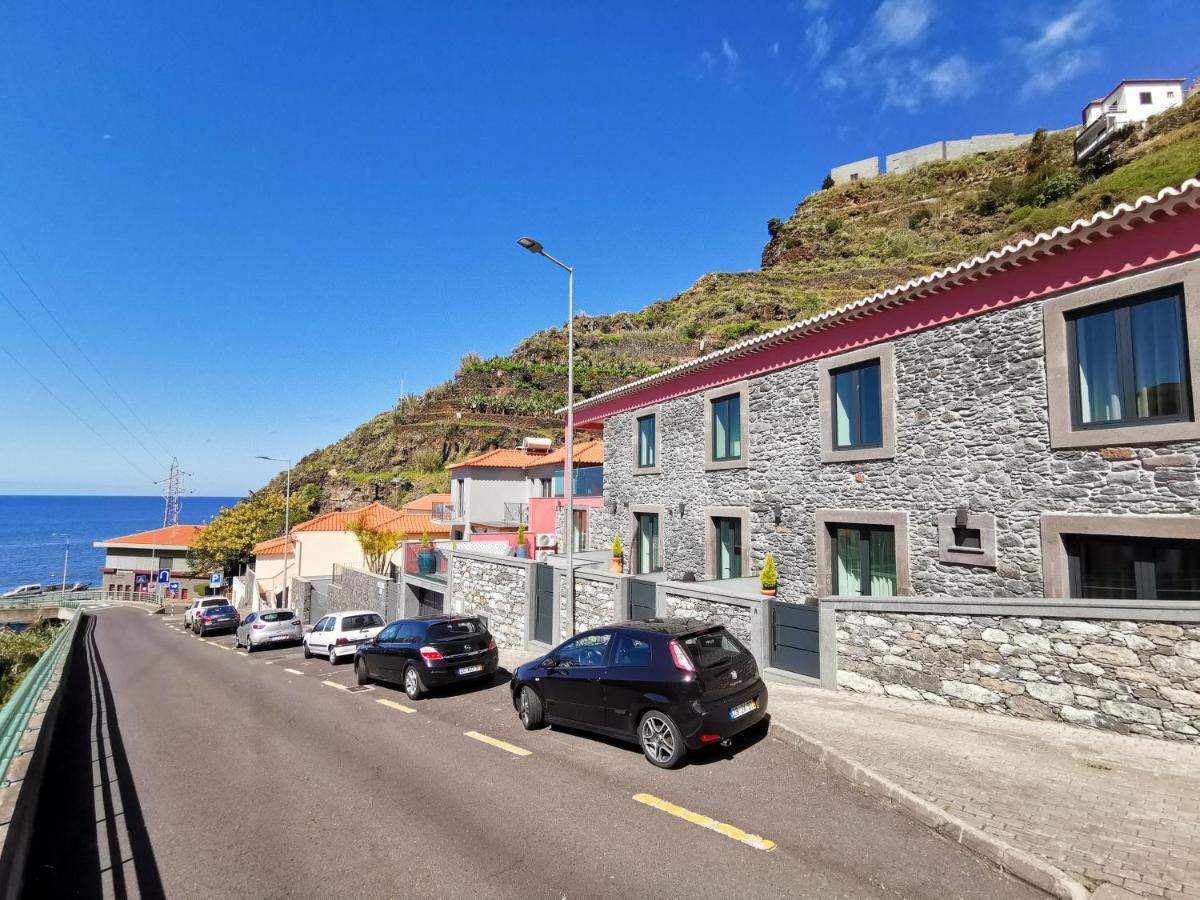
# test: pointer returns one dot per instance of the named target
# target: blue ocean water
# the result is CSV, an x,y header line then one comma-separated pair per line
x,y
34,532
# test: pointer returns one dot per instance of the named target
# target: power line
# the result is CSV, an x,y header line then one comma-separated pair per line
x,y
71,369
81,419
81,351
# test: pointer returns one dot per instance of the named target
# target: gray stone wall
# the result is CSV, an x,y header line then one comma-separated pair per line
x,y
595,603
1126,676
971,428
354,589
733,617
496,590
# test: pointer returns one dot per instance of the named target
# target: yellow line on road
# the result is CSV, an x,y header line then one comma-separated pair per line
x,y
730,831
294,671
495,742
334,684
399,707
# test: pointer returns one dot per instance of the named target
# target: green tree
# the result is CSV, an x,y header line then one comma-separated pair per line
x,y
19,650
227,542
377,545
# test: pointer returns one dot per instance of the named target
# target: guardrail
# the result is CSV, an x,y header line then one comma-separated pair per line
x,y
16,713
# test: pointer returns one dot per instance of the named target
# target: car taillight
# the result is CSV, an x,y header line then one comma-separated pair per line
x,y
430,653
492,644
680,658
709,738
341,641
257,625
207,620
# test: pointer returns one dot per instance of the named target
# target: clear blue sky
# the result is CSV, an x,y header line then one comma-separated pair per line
x,y
257,219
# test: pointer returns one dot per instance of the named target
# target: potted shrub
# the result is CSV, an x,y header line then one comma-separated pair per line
x,y
426,558
618,553
768,577
522,550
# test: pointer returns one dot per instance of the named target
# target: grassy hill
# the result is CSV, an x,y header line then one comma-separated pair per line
x,y
841,243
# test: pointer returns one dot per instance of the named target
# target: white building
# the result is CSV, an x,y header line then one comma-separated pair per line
x,y
1130,102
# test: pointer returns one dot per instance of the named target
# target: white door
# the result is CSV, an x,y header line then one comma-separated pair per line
x,y
318,639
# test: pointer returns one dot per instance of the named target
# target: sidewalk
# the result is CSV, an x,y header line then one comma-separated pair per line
x,y
1104,808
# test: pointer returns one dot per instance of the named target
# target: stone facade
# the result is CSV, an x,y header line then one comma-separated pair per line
x,y
734,617
971,429
595,603
496,589
354,589
1128,676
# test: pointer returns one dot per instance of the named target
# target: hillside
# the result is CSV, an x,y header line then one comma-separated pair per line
x,y
840,244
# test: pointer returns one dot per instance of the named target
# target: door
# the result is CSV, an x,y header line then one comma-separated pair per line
x,y
429,602
647,557
728,563
543,613
643,602
318,638
574,688
795,639
628,677
382,653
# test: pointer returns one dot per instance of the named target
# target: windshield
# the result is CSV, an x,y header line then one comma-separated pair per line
x,y
459,628
716,648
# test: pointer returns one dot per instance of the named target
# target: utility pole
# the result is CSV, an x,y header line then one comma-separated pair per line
x,y
66,556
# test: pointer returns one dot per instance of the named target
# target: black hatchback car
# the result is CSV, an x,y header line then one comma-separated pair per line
x,y
670,685
211,619
428,652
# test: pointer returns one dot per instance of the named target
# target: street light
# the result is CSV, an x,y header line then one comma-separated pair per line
x,y
569,454
287,522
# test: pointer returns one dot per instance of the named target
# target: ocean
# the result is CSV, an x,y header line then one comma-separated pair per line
x,y
34,532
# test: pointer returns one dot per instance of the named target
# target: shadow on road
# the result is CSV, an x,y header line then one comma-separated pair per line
x,y
705,756
90,837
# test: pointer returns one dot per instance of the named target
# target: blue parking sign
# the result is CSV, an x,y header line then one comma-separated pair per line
x,y
215,579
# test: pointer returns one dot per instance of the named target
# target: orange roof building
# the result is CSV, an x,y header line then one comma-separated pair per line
x,y
134,563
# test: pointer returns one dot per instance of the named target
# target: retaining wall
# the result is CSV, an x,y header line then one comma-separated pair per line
x,y
497,588
862,168
596,602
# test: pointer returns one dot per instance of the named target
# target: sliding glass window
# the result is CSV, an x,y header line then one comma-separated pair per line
x,y
648,557
1122,568
864,560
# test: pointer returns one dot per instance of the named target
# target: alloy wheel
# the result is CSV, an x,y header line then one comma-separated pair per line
x,y
657,738
410,680
525,706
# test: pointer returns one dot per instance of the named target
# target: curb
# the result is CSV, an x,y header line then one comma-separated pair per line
x,y
1022,865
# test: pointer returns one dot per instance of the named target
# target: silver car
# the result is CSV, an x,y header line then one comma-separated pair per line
x,y
271,626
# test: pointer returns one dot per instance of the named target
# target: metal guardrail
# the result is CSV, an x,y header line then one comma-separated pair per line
x,y
16,713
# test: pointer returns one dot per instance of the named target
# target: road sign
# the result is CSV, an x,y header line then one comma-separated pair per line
x,y
164,575
215,579
173,586
141,579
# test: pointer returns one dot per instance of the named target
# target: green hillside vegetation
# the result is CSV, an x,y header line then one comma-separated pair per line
x,y
839,245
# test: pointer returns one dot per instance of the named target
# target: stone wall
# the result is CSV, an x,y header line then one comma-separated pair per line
x,y
1126,676
355,589
495,589
971,428
734,617
595,603
863,168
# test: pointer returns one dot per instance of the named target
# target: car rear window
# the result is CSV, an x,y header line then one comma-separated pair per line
x,y
442,631
285,616
353,623
714,648
220,610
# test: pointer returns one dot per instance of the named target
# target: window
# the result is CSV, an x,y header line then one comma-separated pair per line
x,y
647,555
324,624
284,615
727,428
456,628
864,560
1144,97
728,544
588,650
647,446
714,649
854,176
581,530
631,651
1128,568
857,406
726,413
967,538
388,635
1128,362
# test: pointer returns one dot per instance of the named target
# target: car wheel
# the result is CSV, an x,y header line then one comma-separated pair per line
x,y
332,656
360,671
661,740
249,644
529,708
414,684
307,652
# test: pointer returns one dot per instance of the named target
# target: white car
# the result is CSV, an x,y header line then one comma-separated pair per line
x,y
338,635
189,614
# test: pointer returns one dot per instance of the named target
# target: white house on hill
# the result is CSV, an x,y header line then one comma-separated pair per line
x,y
1130,102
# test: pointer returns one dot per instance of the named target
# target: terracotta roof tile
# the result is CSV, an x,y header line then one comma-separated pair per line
x,y
374,514
274,547
171,536
586,453
425,504
502,458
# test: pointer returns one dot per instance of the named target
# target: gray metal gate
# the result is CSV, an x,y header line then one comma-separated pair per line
x,y
643,602
429,602
543,612
795,638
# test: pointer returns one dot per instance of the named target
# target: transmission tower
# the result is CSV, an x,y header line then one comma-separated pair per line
x,y
172,491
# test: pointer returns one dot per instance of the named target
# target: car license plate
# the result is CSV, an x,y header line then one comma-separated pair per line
x,y
467,670
738,711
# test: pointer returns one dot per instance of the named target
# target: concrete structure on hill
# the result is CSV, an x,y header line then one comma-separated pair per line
x,y
1131,102
906,160
132,563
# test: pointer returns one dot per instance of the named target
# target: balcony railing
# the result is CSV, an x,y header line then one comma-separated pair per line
x,y
427,562
447,512
589,482
516,513
1106,126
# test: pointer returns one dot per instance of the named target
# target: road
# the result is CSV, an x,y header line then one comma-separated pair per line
x,y
213,773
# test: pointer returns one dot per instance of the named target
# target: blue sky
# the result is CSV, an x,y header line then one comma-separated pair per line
x,y
259,219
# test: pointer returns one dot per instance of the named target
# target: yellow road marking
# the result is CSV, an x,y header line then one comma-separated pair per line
x,y
730,831
495,742
400,707
334,684
294,671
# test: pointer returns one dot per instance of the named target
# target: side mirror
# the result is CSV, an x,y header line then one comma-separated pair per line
x,y
548,663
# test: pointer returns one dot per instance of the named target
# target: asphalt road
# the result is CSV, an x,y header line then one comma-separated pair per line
x,y
188,769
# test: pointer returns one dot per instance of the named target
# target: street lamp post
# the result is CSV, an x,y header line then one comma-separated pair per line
x,y
569,451
287,523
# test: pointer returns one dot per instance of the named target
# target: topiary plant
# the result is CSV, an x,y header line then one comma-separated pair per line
x,y
425,543
768,576
617,550
520,534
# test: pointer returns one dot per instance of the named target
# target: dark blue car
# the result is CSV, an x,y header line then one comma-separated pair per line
x,y
428,652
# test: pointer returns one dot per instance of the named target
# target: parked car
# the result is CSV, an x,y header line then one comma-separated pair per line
x,y
669,685
25,590
428,652
338,635
189,614
209,619
271,626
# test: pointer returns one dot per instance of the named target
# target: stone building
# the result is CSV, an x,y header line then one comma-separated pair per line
x,y
980,487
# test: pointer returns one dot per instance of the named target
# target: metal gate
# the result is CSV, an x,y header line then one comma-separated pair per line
x,y
543,612
643,603
795,639
430,603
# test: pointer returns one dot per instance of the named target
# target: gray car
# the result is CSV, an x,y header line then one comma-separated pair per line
x,y
269,627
